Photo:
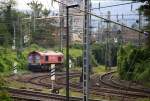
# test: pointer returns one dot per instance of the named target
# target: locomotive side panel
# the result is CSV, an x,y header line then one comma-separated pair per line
x,y
55,59
42,59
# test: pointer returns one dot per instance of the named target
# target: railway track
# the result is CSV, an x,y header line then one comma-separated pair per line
x,y
45,80
106,87
106,79
124,85
38,96
95,90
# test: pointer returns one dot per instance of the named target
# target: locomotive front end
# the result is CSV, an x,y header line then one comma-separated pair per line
x,y
34,61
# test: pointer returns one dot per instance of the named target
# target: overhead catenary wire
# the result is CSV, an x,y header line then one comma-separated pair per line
x,y
115,5
107,20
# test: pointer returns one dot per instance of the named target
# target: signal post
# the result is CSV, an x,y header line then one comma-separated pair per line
x,y
52,74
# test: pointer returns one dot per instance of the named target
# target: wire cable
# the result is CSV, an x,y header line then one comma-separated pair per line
x,y
107,20
115,5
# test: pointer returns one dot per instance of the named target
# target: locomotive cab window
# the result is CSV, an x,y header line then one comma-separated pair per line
x,y
59,58
46,58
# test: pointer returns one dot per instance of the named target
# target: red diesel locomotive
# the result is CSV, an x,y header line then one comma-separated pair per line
x,y
42,60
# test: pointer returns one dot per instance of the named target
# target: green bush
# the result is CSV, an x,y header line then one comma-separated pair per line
x,y
78,61
99,53
93,61
76,46
122,60
7,59
4,96
9,56
134,63
144,99
142,71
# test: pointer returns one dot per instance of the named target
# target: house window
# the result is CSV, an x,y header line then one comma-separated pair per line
x,y
46,58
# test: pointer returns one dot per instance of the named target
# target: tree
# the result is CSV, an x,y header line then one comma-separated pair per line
x,y
6,19
42,28
146,10
4,4
36,7
147,1
46,12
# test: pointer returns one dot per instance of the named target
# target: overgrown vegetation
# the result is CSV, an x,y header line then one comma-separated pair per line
x,y
99,53
7,59
134,63
4,96
144,99
77,57
9,56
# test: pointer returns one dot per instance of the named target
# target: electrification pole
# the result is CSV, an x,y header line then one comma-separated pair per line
x,y
34,21
67,56
14,40
21,36
107,54
122,30
67,51
86,52
109,41
98,39
89,35
29,34
61,11
139,28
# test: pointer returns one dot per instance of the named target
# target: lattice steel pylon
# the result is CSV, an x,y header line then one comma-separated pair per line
x,y
61,14
86,53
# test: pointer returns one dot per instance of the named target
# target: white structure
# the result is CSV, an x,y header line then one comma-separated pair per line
x,y
15,68
52,72
70,63
75,17
52,75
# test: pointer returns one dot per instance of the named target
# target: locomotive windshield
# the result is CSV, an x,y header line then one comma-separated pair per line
x,y
34,59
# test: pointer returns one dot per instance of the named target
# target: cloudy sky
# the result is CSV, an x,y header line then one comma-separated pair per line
x,y
22,4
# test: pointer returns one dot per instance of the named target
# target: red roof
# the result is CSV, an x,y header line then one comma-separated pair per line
x,y
46,53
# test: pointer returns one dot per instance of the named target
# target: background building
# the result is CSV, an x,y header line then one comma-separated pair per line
x,y
75,20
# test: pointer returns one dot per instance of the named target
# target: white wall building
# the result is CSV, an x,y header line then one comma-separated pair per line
x,y
75,18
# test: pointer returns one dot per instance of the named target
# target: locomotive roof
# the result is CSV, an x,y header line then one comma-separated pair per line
x,y
46,53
